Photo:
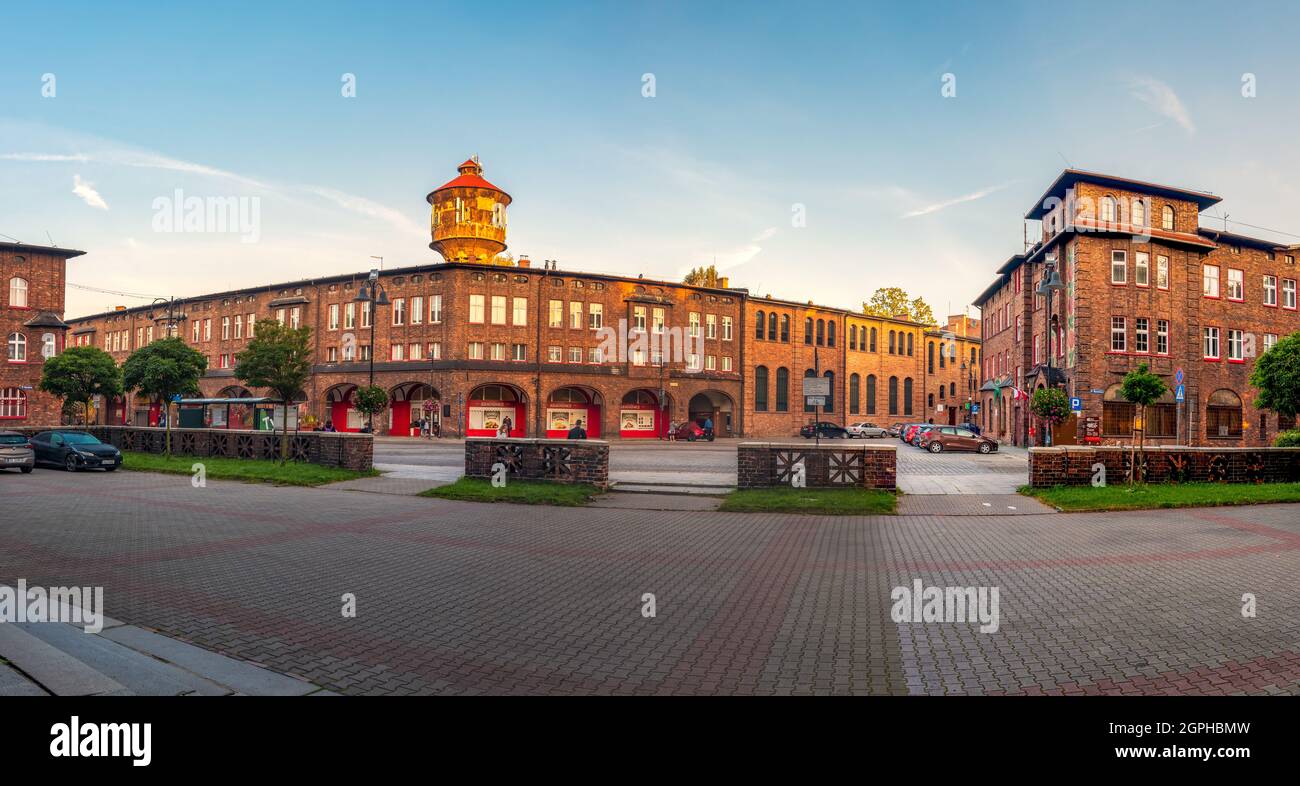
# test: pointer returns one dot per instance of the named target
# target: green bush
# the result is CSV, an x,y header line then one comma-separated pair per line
x,y
1288,439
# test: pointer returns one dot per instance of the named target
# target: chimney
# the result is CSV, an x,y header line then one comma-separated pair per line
x,y
523,261
723,281
119,308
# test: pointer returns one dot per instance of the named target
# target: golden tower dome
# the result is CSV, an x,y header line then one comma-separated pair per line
x,y
468,217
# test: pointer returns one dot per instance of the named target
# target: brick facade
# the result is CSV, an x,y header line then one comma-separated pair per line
x,y
1074,465
32,281
555,460
1135,292
835,465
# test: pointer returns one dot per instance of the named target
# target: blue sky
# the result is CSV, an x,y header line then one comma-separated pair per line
x,y
759,107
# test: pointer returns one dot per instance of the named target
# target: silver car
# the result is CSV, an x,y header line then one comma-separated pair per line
x,y
865,430
16,452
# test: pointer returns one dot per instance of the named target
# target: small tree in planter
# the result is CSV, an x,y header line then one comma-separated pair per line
x,y
1277,378
370,401
277,358
1050,405
1142,388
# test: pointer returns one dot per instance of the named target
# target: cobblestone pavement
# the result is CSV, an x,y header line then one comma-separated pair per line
x,y
467,598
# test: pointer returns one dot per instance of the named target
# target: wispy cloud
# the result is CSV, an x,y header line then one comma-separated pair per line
x,y
937,206
1162,98
88,193
734,257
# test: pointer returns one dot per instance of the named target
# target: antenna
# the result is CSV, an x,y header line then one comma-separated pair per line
x,y
1068,165
52,243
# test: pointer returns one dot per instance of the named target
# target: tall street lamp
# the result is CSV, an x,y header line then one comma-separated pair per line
x,y
1050,284
373,294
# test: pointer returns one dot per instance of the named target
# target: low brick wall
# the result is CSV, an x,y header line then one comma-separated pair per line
x,y
1071,465
329,449
834,465
555,460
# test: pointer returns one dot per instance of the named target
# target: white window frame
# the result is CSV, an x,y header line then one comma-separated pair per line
x,y
1118,334
1210,343
1119,258
477,312
1210,282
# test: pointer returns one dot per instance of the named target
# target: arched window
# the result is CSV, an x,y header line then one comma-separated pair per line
x,y
871,394
760,389
1167,218
18,292
771,326
893,395
830,398
873,339
929,365
941,392
1108,209
891,342
907,396
821,332
785,328
1139,213
806,406
830,333
909,345
17,347
853,336
952,389
13,403
782,389
758,326
1116,413
1223,415
855,394
929,401
808,330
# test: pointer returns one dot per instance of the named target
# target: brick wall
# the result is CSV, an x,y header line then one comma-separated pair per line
x,y
1074,466
554,460
768,464
43,270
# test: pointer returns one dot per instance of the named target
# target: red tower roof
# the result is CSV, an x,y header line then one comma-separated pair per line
x,y
471,176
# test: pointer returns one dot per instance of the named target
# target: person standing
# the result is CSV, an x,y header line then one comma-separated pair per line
x,y
577,432
506,427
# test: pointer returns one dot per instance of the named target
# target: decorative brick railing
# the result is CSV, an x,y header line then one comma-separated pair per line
x,y
1071,465
834,465
555,460
329,449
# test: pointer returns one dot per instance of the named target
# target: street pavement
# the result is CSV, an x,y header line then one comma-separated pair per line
x,y
465,598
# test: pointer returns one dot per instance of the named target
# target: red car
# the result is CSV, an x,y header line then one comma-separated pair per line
x,y
690,431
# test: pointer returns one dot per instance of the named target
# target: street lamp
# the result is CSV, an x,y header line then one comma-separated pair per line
x,y
373,294
174,316
1050,284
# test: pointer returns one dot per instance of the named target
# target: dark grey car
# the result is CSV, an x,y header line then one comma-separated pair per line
x,y
16,452
74,450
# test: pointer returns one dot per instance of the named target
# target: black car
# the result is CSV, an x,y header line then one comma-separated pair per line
x,y
74,450
823,430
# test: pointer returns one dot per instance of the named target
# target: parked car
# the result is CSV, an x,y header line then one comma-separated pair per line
x,y
16,452
970,427
691,431
909,431
74,450
824,430
865,430
920,433
897,429
943,438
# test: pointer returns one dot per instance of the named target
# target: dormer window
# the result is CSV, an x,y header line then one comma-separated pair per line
x,y
1108,209
1167,218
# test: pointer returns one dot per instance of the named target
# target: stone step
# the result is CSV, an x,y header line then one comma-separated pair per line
x,y
683,489
54,670
240,676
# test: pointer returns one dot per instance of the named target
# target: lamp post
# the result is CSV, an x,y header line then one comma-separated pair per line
x,y
372,293
1050,284
170,324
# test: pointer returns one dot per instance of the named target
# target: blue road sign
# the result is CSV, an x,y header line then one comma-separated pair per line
x,y
1178,377
1180,393
974,409
1076,404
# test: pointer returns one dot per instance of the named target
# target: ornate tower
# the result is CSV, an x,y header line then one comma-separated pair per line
x,y
468,217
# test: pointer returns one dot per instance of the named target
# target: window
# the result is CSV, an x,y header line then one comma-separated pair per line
x,y
519,352
1162,337
785,328
13,403
18,292
907,396
365,352
1118,267
334,316
367,314
871,394
1141,269
554,354
808,330
1223,415
1139,213
893,395
1236,286
593,355
710,325
1269,340
252,325
555,314
349,317
726,362
694,326
575,314
657,322
1167,218
225,328
853,336
596,316
1235,347
873,340
476,350
1211,335
413,352
1116,413
435,350
1108,209
225,361
782,389
1288,293
397,352
295,317
498,309
760,389
759,324
17,348
1210,280
1162,272
331,354
497,351
435,309
520,308
638,318
710,363
1270,290
417,311
239,327
830,336
909,344
1118,334
1141,335
575,354
855,394
476,308
207,330
892,341
771,326
726,324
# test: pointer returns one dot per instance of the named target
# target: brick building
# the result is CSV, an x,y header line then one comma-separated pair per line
x,y
479,338
1141,282
31,322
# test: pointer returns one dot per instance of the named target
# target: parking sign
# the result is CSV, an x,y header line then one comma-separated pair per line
x,y
1076,404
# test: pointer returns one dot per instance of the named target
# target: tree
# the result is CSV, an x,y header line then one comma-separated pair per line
x,y
277,358
1051,405
1277,377
702,277
162,370
1142,388
80,374
893,301
370,401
